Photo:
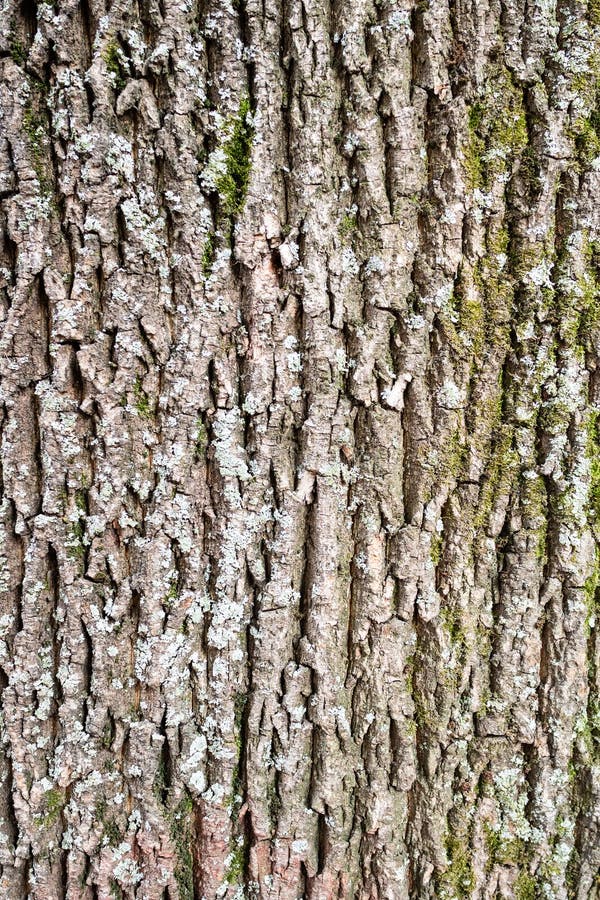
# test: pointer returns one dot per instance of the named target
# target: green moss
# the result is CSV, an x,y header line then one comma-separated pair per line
x,y
17,50
534,500
100,810
458,881
239,705
74,544
54,802
579,309
448,464
409,673
115,890
475,147
526,887
593,11
347,226
201,440
411,728
531,171
471,322
107,734
142,402
233,184
237,849
497,130
181,836
159,785
498,240
455,458
473,161
511,852
80,500
113,58
576,306
492,841
464,320
583,732
554,417
169,599
452,624
593,453
180,821
572,772
78,531
135,713
504,851
35,126
524,257
476,116
500,473
112,833
586,133
208,255
585,130
593,723
590,591
237,863
495,286
424,714
484,419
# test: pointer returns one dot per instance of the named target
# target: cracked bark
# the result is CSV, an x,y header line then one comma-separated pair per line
x,y
299,449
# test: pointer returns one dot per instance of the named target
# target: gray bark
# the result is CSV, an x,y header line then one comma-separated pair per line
x,y
299,446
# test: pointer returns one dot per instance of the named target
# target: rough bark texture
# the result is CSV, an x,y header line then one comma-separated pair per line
x,y
299,440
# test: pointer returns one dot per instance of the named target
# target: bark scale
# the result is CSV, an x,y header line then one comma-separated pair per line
x,y
299,443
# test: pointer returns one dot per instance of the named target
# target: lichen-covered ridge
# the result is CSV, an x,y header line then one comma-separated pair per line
x,y
299,450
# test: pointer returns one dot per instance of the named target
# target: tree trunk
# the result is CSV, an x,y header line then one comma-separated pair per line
x,y
300,449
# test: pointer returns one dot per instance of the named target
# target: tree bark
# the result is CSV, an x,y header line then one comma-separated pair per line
x,y
300,449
